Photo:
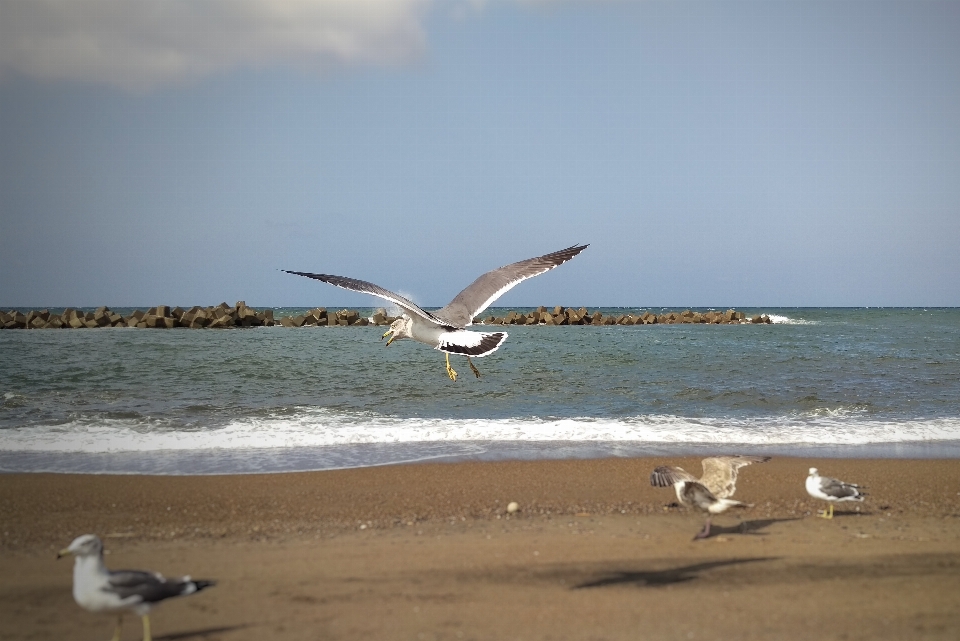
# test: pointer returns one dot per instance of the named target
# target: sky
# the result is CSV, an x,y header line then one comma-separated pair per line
x,y
724,154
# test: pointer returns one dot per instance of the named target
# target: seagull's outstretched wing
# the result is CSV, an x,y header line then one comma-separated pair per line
x,y
369,288
720,472
665,476
492,285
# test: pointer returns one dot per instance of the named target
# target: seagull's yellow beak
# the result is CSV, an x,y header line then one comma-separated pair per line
x,y
392,338
64,552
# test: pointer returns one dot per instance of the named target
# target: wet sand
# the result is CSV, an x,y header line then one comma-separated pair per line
x,y
428,551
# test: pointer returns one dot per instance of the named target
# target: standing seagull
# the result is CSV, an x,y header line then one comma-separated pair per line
x,y
444,328
711,492
832,490
97,589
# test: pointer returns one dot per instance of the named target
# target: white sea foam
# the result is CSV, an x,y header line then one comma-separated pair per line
x,y
786,320
312,427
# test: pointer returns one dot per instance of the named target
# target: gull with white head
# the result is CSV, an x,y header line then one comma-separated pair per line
x,y
831,490
99,590
444,329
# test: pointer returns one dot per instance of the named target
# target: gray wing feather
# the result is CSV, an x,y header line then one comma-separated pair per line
x,y
838,489
150,586
369,288
481,293
665,476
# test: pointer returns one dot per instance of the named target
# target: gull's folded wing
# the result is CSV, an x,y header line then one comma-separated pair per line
x,y
838,489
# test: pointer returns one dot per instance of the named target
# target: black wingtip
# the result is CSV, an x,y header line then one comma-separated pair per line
x,y
307,274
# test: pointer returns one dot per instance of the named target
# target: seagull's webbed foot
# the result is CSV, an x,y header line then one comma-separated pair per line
x,y
452,373
705,532
476,372
826,514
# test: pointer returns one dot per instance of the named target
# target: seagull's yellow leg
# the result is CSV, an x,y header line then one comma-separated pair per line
x,y
450,371
146,628
473,367
831,511
116,630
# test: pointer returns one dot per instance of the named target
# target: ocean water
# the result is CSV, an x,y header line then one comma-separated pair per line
x,y
817,382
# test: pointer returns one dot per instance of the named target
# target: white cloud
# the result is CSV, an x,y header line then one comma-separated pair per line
x,y
139,44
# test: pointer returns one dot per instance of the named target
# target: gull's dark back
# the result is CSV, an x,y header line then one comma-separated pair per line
x,y
840,490
152,587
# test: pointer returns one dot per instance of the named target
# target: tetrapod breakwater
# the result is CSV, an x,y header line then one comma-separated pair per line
x,y
224,316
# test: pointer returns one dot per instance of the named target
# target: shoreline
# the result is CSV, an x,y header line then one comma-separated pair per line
x,y
305,459
429,549
390,494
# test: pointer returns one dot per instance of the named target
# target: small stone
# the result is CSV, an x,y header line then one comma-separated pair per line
x,y
513,507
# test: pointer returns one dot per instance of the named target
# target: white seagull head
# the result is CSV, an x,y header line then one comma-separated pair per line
x,y
400,328
86,545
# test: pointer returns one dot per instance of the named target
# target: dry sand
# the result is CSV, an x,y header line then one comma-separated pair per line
x,y
428,552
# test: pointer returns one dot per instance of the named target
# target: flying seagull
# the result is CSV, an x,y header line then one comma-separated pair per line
x,y
444,328
719,474
832,490
97,589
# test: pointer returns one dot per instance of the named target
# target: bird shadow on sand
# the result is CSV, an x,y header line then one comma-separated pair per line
x,y
199,634
753,527
837,514
670,576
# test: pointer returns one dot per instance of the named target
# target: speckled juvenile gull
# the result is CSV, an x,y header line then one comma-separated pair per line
x,y
711,492
695,495
97,589
832,490
444,329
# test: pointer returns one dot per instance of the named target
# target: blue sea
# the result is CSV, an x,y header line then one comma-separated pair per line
x,y
817,382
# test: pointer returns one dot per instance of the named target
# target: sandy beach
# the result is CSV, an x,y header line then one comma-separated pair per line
x,y
429,551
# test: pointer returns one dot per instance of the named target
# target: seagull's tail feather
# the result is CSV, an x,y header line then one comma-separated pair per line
x,y
201,584
478,344
190,585
728,503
